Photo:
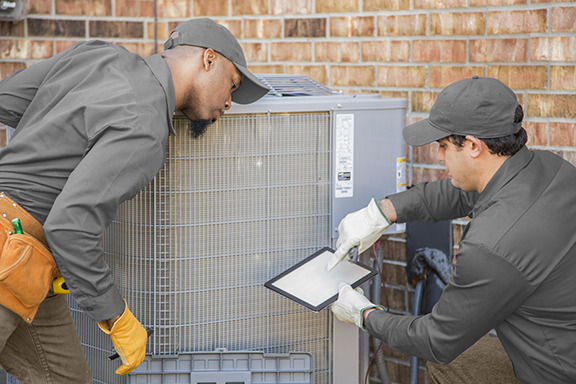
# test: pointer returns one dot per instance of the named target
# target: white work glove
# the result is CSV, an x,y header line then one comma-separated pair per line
x,y
359,229
351,304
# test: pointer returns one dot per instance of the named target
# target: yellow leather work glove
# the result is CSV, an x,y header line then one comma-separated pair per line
x,y
129,338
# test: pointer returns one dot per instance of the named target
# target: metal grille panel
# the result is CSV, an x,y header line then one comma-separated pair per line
x,y
226,213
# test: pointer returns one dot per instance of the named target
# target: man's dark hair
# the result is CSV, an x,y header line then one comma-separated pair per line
x,y
501,146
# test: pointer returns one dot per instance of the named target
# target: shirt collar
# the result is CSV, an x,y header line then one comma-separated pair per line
x,y
162,73
509,169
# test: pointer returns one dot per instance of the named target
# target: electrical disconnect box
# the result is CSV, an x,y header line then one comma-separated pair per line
x,y
14,10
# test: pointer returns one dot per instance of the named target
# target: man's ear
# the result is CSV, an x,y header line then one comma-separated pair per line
x,y
476,146
209,59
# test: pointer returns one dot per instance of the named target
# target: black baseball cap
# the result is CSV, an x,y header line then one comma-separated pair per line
x,y
206,33
482,107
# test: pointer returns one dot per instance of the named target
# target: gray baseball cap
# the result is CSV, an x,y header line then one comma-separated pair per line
x,y
482,107
206,33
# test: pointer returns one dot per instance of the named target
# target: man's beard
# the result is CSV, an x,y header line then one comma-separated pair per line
x,y
198,127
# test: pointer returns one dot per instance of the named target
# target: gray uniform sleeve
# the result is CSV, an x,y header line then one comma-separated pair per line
x,y
18,90
483,291
115,168
434,201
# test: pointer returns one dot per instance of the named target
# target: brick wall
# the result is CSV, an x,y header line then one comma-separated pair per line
x,y
399,48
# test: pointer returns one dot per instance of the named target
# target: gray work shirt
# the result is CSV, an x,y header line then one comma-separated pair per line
x,y
515,270
91,126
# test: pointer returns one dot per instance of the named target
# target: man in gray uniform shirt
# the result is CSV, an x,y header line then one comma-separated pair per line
x,y
515,268
91,126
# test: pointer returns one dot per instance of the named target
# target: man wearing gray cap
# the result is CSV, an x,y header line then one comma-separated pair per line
x,y
514,271
91,126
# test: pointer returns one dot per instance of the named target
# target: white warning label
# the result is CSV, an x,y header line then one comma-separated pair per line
x,y
344,178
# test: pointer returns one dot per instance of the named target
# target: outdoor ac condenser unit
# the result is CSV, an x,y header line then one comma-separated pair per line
x,y
264,188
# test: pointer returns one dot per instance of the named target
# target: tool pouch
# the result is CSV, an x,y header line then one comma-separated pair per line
x,y
27,270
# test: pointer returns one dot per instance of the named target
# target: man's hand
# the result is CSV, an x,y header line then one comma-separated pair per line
x,y
359,229
351,304
129,338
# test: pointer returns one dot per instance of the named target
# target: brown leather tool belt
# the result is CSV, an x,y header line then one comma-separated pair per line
x,y
27,268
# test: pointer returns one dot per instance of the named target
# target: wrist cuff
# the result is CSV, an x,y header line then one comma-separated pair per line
x,y
380,209
366,308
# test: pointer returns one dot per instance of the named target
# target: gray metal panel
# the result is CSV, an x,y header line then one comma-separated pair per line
x,y
377,145
271,104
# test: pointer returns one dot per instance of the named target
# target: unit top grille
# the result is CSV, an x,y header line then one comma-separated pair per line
x,y
293,85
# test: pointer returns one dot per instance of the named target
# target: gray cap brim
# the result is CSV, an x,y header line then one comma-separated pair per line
x,y
251,89
423,132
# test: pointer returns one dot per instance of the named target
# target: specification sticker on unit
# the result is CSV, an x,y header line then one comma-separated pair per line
x,y
344,164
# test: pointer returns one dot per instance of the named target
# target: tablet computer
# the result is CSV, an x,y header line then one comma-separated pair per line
x,y
308,283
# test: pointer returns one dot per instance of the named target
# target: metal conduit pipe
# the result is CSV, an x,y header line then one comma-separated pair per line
x,y
416,305
376,298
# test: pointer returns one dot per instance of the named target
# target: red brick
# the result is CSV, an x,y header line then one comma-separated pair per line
x,y
84,8
467,23
252,7
260,68
421,175
395,299
423,101
432,4
402,25
7,68
352,26
61,45
441,76
386,5
25,49
255,52
291,51
563,77
234,26
338,52
446,51
174,8
316,72
553,48
508,22
563,19
537,133
556,106
480,3
114,29
331,6
426,154
386,51
210,8
393,274
563,134
262,28
135,8
305,27
499,50
161,31
397,76
522,77
11,29
39,7
569,156
291,7
393,250
56,28
352,75
142,48
394,94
